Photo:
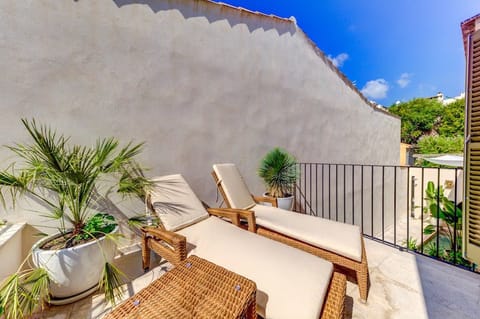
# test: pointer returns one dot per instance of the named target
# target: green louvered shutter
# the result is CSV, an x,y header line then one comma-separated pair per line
x,y
471,221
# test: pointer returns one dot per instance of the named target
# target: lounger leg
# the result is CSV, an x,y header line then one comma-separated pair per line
x,y
145,253
362,281
362,275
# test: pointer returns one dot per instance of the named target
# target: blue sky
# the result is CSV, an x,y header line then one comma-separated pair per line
x,y
391,50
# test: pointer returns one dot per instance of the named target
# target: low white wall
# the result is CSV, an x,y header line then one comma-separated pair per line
x,y
11,252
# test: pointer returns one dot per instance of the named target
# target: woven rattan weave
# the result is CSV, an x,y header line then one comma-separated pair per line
x,y
195,288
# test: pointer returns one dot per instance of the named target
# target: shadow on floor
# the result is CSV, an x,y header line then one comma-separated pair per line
x,y
449,292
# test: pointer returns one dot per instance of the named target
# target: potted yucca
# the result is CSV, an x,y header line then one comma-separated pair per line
x,y
279,174
71,182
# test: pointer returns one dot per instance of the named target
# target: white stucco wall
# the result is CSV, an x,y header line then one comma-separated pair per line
x,y
201,83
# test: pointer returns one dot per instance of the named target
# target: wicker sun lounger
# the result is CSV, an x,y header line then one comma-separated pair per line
x,y
289,283
327,239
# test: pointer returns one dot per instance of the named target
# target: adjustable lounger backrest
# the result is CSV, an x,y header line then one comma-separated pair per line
x,y
175,203
234,187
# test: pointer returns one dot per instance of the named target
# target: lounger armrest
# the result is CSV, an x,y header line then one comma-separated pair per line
x,y
223,212
265,199
248,215
169,245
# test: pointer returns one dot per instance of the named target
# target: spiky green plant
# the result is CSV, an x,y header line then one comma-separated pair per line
x,y
66,179
23,292
110,280
278,171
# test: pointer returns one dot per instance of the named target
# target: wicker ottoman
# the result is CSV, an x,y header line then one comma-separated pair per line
x,y
196,288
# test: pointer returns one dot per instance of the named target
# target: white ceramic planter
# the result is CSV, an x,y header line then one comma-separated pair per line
x,y
283,202
74,272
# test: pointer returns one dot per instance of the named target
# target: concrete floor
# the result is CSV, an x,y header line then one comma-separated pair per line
x,y
403,285
408,285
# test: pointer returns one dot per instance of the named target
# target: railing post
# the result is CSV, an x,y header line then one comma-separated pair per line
x,y
329,190
455,219
316,189
383,202
323,190
336,192
438,210
361,197
310,191
408,203
353,194
371,204
395,205
421,205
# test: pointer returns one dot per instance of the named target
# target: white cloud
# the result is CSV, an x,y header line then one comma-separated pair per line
x,y
404,80
375,89
339,59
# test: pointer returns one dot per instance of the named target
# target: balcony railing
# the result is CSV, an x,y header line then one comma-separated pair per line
x,y
401,206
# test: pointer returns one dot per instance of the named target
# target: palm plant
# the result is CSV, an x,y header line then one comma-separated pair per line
x,y
444,209
66,180
278,171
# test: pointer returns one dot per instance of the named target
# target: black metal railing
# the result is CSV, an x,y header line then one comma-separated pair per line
x,y
401,206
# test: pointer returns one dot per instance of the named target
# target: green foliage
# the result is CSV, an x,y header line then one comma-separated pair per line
x,y
430,248
98,225
453,119
22,292
429,229
65,177
110,282
457,258
449,255
278,171
422,117
144,220
444,209
440,144
411,243
67,180
419,117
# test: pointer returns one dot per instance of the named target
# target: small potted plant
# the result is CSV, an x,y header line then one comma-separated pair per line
x,y
67,180
278,171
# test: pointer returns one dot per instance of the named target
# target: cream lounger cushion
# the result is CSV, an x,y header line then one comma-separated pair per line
x,y
290,282
174,204
337,237
237,191
342,239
